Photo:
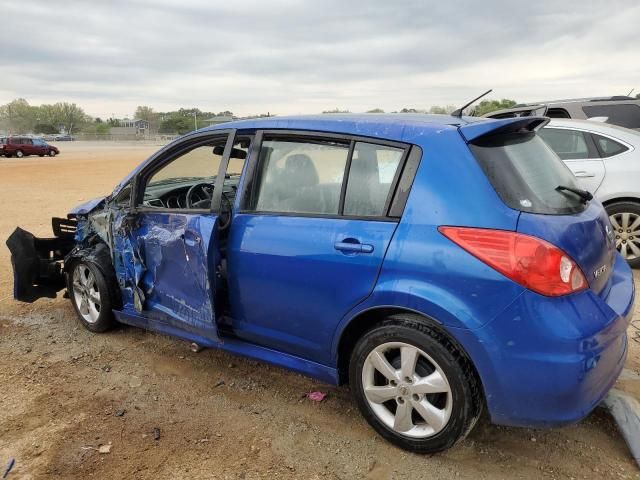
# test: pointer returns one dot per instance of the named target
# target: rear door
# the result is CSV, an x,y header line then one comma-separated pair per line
x,y
27,146
579,152
310,236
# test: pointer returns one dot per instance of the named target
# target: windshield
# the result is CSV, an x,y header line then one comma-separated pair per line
x,y
526,174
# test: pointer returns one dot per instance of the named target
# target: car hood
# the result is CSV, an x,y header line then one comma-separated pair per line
x,y
87,207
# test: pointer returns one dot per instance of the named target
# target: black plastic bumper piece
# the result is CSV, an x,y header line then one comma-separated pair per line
x,y
37,264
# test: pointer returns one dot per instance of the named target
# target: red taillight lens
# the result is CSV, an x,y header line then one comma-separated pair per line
x,y
529,261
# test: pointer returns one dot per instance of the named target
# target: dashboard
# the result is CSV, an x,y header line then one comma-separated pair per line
x,y
173,195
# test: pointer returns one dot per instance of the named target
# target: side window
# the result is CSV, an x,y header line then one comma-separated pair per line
x,y
557,113
608,147
187,181
568,144
373,169
626,115
27,141
300,176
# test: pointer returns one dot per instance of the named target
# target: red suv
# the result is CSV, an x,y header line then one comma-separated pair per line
x,y
21,146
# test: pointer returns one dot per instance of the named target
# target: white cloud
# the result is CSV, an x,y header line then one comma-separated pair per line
x,y
303,57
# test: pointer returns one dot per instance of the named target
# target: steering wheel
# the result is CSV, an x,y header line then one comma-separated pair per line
x,y
206,190
203,198
225,213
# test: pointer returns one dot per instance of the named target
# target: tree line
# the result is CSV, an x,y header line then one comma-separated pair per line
x,y
18,116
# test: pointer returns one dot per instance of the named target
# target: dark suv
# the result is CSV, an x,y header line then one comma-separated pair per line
x,y
24,146
618,110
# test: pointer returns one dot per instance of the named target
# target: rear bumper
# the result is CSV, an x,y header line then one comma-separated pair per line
x,y
550,361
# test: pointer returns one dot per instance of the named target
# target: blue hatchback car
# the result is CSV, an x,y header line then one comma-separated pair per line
x,y
438,265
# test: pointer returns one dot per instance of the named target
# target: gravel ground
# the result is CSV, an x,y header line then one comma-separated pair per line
x,y
157,410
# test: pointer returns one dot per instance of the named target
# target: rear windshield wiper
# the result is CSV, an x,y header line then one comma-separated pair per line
x,y
584,195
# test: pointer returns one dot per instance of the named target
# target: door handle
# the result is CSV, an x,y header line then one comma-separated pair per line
x,y
584,174
353,246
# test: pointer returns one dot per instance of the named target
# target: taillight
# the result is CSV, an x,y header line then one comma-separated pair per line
x,y
529,261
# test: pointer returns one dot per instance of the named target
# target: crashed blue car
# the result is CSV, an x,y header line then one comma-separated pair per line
x,y
439,265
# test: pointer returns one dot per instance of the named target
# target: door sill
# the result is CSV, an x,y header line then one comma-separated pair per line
x,y
229,343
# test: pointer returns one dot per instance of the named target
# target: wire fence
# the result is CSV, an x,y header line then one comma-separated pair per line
x,y
108,137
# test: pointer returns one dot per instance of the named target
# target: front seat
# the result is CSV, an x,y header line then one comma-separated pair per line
x,y
304,195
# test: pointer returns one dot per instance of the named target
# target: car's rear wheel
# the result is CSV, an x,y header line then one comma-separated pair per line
x,y
19,153
52,153
91,296
413,385
625,220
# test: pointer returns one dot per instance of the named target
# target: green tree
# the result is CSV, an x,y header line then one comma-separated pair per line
x,y
376,110
44,128
638,96
438,110
18,116
177,123
486,106
336,110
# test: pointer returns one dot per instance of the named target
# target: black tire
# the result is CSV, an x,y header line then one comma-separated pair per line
x,y
19,153
466,396
625,207
52,153
105,320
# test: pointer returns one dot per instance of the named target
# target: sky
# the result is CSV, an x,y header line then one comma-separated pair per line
x,y
286,57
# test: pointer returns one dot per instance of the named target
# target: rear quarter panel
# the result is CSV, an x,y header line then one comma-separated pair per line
x,y
425,272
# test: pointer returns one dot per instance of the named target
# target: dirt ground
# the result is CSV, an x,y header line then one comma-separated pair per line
x,y
65,392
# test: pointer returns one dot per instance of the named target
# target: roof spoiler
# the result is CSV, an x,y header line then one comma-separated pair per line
x,y
474,131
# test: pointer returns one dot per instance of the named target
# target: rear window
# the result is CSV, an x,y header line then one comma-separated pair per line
x,y
626,114
525,173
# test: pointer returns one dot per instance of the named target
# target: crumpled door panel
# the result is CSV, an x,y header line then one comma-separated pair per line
x,y
166,263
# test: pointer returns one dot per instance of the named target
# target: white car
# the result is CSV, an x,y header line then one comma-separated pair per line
x,y
606,161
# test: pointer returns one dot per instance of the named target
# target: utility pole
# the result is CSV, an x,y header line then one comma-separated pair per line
x,y
195,119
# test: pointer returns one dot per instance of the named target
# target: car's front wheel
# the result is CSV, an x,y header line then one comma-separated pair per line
x,y
52,153
625,220
413,385
91,296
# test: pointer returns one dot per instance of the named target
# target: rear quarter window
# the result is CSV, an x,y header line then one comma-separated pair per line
x,y
608,147
525,173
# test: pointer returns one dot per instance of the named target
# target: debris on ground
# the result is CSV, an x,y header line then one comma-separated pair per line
x,y
121,412
156,433
316,396
9,467
626,412
104,448
219,383
195,348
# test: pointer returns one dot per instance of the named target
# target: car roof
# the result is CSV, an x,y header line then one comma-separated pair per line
x,y
369,124
614,99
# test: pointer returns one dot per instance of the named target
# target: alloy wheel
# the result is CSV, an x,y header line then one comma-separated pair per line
x,y
626,226
86,293
407,390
